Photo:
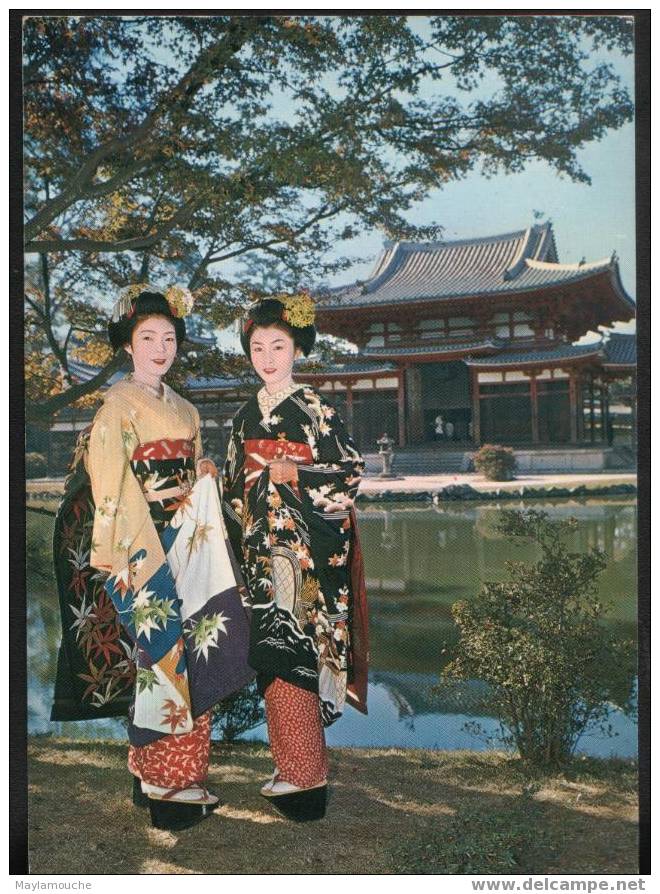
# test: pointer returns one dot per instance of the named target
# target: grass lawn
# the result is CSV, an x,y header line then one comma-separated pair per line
x,y
390,811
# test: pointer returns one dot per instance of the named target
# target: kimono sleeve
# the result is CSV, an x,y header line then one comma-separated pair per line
x,y
337,474
233,489
120,508
199,449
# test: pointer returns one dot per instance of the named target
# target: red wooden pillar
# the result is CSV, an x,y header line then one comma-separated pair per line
x,y
476,410
349,404
580,407
603,412
534,400
401,400
572,397
633,408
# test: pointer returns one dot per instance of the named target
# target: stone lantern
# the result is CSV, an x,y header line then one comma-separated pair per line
x,y
385,444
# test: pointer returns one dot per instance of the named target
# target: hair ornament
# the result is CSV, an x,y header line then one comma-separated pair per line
x,y
180,300
125,305
299,309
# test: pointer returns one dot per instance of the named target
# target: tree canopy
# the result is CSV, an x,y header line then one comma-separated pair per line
x,y
163,148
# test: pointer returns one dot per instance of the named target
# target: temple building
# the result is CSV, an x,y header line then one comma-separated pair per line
x,y
461,343
469,342
473,342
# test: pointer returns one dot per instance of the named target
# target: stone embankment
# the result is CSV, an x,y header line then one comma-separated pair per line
x,y
440,488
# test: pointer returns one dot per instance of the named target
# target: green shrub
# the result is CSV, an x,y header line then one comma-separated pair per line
x,y
35,465
495,462
538,641
237,714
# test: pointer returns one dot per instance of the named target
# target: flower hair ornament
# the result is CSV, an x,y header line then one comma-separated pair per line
x,y
298,310
179,298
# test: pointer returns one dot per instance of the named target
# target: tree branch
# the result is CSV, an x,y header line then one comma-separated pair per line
x,y
44,411
178,98
322,214
198,273
108,186
48,318
135,243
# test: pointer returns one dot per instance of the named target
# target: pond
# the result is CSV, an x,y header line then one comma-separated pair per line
x,y
419,559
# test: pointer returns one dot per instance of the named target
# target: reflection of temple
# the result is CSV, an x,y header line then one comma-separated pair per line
x,y
414,695
441,554
479,333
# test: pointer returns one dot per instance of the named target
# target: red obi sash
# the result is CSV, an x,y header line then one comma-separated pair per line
x,y
166,448
260,451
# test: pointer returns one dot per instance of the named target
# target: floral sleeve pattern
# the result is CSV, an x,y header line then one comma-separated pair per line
x,y
111,444
336,474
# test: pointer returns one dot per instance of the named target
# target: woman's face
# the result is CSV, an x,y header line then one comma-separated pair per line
x,y
272,352
153,347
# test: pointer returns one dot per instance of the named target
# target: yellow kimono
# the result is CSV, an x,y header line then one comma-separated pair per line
x,y
159,536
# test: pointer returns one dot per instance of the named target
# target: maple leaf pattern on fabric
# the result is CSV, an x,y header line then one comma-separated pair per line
x,y
205,632
289,520
174,715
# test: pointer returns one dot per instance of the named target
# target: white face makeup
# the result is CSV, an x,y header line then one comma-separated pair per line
x,y
153,349
272,352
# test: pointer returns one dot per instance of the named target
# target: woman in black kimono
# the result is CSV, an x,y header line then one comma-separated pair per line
x,y
290,480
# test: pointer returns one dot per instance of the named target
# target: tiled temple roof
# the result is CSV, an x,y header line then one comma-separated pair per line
x,y
621,350
359,366
522,261
204,383
83,372
487,344
206,341
552,355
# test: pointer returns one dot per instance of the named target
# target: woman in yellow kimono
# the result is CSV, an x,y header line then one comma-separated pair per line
x,y
159,543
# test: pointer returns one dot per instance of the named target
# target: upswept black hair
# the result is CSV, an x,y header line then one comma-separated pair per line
x,y
147,304
269,313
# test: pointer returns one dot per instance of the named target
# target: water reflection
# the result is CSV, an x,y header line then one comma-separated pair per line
x,y
419,560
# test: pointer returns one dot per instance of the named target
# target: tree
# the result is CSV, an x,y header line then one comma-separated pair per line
x,y
160,146
538,640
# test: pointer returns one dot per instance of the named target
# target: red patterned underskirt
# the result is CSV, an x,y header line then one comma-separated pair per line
x,y
166,448
295,733
177,760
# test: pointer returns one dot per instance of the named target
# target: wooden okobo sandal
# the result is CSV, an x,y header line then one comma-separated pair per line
x,y
168,812
297,804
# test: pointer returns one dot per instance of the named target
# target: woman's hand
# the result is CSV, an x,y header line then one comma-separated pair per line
x,y
206,467
283,471
341,503
333,507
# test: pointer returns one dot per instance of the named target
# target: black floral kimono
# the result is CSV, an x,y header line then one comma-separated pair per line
x,y
302,564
